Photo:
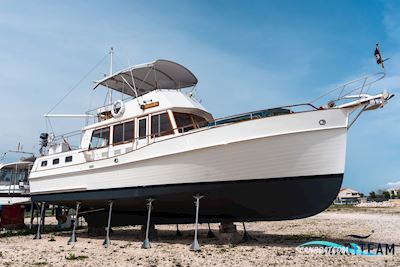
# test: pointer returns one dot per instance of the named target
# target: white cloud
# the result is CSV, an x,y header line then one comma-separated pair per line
x,y
393,185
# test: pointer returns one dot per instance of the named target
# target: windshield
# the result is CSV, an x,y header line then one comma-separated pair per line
x,y
10,176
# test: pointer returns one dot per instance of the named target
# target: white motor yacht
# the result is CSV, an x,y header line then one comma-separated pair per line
x,y
14,185
161,143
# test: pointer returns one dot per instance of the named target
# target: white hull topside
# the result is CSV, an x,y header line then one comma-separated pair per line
x,y
11,190
289,145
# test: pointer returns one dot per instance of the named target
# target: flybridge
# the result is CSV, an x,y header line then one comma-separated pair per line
x,y
144,78
139,80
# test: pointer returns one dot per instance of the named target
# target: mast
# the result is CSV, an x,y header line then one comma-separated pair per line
x,y
111,72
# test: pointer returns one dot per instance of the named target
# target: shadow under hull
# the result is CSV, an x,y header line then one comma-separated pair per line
x,y
234,201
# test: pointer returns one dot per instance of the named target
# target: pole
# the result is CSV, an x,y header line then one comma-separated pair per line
x,y
146,242
38,236
195,245
111,72
32,215
72,240
107,242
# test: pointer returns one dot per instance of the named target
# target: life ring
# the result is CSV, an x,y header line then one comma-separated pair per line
x,y
118,109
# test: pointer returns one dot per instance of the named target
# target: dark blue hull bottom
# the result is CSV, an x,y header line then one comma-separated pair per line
x,y
251,200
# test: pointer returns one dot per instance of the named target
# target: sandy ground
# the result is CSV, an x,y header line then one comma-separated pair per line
x,y
276,244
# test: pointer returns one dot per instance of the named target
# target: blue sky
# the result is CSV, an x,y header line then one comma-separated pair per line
x,y
251,54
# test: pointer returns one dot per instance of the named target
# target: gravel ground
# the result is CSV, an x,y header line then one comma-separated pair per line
x,y
275,245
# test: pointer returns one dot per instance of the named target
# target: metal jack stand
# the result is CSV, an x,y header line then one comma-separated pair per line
x,y
210,234
32,215
37,213
43,218
38,235
72,240
146,242
178,233
246,236
107,242
195,245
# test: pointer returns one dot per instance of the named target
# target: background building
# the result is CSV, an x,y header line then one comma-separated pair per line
x,y
348,196
394,192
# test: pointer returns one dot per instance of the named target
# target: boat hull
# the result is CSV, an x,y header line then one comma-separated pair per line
x,y
251,200
278,168
283,146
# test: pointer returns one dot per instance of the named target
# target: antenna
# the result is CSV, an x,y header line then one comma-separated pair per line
x,y
111,72
111,60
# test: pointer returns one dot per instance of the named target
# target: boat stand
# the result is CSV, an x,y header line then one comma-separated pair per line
x,y
37,213
246,237
210,234
146,242
195,245
72,240
38,232
43,218
32,215
107,242
178,233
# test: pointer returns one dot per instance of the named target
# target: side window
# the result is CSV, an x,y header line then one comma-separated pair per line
x,y
161,125
44,163
56,161
129,131
183,122
100,138
22,176
124,132
68,159
118,136
200,122
6,175
142,128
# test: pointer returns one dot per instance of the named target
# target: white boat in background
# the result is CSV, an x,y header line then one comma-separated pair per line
x,y
14,192
14,181
273,164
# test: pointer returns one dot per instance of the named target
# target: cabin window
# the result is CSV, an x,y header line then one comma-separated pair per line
x,y
199,121
6,175
100,138
56,161
124,132
129,131
68,159
44,163
118,136
161,125
20,176
142,128
183,122
104,116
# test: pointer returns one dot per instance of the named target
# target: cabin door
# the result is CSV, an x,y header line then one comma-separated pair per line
x,y
143,136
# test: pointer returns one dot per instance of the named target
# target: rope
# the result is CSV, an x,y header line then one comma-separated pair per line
x,y
80,81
